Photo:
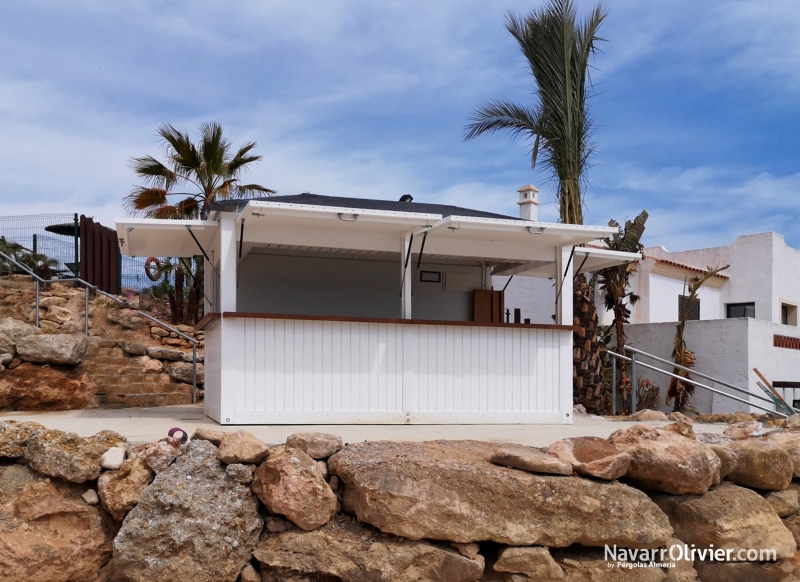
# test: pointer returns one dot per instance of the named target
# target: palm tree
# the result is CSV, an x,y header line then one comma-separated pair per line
x,y
558,50
212,171
210,168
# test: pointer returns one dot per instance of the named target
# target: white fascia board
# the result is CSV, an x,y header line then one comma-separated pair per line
x,y
333,212
620,256
508,224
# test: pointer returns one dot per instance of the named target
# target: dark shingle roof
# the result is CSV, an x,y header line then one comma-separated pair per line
x,y
365,203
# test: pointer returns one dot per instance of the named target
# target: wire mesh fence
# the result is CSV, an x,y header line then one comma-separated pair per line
x,y
57,237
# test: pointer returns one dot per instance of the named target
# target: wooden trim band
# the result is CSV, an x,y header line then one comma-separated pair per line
x,y
207,318
242,315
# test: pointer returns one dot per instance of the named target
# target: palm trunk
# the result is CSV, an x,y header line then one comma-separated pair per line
x,y
588,381
179,315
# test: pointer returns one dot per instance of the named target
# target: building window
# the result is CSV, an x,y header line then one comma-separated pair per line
x,y
691,310
741,310
788,314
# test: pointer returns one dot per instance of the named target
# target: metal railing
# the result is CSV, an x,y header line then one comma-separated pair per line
x,y
88,287
634,361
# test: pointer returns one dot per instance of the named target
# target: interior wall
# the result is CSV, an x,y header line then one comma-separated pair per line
x,y
351,287
534,296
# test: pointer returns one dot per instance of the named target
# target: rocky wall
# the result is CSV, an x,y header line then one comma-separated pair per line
x,y
225,506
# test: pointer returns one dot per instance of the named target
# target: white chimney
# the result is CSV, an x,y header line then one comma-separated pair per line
x,y
529,203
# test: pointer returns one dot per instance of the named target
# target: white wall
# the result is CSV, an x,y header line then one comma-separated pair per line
x,y
534,296
727,349
354,287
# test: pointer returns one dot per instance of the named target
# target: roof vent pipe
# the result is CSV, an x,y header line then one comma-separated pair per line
x,y
406,198
528,203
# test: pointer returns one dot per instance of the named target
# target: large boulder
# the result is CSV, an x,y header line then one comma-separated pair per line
x,y
68,456
761,465
450,490
789,441
289,482
120,490
127,318
241,447
530,459
7,345
785,503
344,549
32,387
592,456
192,523
15,329
664,461
66,349
15,436
535,563
728,517
727,458
182,372
47,531
317,445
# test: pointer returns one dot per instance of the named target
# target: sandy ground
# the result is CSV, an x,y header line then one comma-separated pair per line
x,y
148,424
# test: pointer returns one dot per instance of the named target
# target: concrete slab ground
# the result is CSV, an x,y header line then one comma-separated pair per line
x,y
149,424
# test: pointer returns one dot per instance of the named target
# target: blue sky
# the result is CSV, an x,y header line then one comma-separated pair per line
x,y
696,104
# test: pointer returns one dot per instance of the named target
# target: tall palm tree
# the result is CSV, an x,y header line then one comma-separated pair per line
x,y
210,168
558,49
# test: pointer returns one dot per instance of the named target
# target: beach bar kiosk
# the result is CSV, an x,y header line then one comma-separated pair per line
x,y
326,310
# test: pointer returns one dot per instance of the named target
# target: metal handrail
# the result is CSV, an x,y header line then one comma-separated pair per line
x,y
88,286
634,361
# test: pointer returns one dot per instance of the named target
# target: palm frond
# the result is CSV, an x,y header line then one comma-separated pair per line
x,y
247,190
503,116
143,198
154,172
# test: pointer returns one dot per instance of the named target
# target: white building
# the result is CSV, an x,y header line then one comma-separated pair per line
x,y
326,310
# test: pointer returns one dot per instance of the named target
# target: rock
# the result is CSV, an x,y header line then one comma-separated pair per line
x,y
592,456
682,428
682,569
149,365
789,441
15,435
450,490
182,372
289,483
333,481
792,421
58,314
792,523
91,497
120,490
275,524
127,318
590,565
32,387
785,503
530,459
316,445
727,517
50,326
16,330
133,348
170,354
240,473
742,430
469,550
761,465
727,458
159,454
66,349
664,461
241,447
45,302
780,571
7,345
249,574
159,331
48,533
191,523
680,417
536,563
113,458
206,433
648,415
323,469
349,551
6,359
69,456
711,438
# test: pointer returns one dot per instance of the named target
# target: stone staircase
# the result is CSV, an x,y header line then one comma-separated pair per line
x,y
121,383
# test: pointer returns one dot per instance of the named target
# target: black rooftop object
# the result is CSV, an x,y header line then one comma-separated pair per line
x,y
360,203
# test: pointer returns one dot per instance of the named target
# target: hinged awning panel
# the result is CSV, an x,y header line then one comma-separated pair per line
x,y
150,237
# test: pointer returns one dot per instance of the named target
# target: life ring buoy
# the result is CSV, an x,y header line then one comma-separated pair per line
x,y
152,268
